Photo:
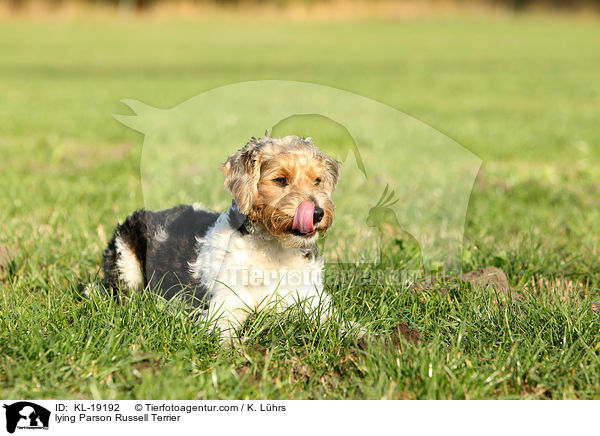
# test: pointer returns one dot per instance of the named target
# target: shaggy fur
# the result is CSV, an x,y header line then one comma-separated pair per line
x,y
246,257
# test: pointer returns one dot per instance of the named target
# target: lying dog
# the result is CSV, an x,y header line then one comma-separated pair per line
x,y
263,248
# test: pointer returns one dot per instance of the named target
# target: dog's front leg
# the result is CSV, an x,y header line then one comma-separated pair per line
x,y
228,311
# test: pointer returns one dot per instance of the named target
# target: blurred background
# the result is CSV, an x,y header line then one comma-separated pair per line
x,y
143,5
513,81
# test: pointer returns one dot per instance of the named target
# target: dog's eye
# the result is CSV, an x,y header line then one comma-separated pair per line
x,y
281,181
317,181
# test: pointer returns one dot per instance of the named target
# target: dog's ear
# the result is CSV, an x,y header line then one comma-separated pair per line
x,y
242,173
333,171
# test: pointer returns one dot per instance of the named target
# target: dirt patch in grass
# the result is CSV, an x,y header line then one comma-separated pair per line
x,y
481,278
485,277
147,362
404,331
399,337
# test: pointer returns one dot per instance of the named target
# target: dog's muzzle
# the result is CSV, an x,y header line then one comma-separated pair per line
x,y
306,216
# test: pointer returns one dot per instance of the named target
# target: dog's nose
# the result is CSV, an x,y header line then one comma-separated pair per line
x,y
318,215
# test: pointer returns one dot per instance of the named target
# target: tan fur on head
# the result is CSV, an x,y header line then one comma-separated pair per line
x,y
270,177
242,172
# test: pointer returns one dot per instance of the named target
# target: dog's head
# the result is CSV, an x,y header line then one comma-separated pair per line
x,y
285,185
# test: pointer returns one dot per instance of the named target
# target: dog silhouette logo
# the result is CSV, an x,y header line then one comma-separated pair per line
x,y
431,174
26,415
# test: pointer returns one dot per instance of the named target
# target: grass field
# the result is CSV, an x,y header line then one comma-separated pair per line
x,y
520,92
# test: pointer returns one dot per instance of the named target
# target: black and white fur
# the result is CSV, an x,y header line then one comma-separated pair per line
x,y
227,264
219,262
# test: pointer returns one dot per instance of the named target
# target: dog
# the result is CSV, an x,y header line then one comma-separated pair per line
x,y
263,249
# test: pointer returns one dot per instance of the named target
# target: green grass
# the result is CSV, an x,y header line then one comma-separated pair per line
x,y
522,93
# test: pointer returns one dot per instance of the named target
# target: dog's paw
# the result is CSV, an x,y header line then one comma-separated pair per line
x,y
90,289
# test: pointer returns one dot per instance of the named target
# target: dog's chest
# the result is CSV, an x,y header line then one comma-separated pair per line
x,y
255,268
264,267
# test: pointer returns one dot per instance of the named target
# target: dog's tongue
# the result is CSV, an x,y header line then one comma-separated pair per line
x,y
303,219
